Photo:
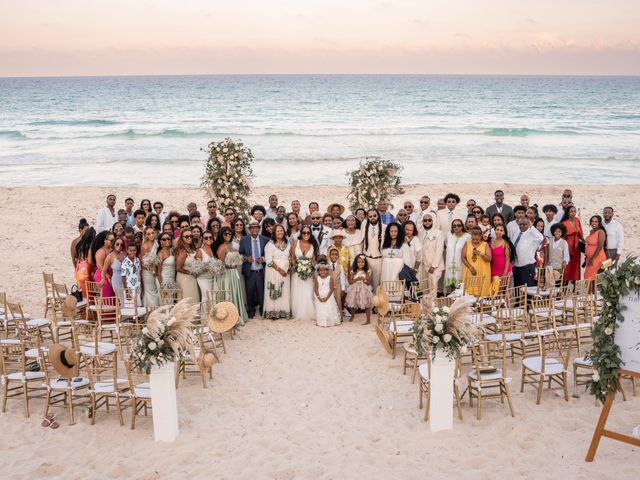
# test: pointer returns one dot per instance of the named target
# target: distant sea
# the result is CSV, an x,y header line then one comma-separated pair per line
x,y
311,129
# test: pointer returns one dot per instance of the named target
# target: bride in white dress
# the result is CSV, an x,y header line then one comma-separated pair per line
x,y
302,291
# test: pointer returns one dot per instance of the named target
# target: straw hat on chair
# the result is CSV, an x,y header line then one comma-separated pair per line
x,y
64,360
223,317
206,360
381,301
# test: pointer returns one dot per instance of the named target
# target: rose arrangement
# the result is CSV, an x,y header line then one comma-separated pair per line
x,y
166,335
233,259
605,353
304,268
227,175
374,180
448,329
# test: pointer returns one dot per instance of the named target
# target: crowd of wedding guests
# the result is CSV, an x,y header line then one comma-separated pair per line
x,y
325,265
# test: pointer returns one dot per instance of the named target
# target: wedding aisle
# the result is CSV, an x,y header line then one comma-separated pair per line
x,y
291,400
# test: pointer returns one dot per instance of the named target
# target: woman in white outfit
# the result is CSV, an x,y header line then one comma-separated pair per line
x,y
302,290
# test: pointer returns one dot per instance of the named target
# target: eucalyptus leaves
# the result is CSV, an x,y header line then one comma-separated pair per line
x,y
374,180
228,173
605,354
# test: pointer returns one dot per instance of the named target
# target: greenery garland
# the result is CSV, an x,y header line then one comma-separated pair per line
x,y
374,180
605,354
228,173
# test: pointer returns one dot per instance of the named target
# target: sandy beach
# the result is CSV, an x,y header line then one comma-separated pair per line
x,y
293,401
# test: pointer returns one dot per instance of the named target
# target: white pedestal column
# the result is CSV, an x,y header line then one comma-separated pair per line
x,y
164,403
441,385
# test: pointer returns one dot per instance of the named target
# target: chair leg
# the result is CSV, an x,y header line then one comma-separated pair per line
x,y
456,393
415,370
5,392
540,386
47,398
565,387
119,410
479,409
420,392
506,391
427,406
69,396
522,381
25,393
404,364
134,412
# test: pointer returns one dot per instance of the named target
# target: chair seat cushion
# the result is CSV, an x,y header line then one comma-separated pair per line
x,y
102,349
38,322
9,341
566,328
508,337
400,329
28,376
551,365
497,375
423,369
61,383
583,362
537,293
108,386
10,316
132,312
142,392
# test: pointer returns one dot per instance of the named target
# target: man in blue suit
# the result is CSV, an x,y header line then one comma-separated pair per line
x,y
252,250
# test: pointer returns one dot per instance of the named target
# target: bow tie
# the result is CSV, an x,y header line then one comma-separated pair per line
x,y
316,229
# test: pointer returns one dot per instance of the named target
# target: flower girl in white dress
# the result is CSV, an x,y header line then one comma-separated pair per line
x,y
327,313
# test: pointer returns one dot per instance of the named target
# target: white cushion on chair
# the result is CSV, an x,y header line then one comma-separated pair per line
x,y
9,341
61,384
28,375
486,376
10,316
583,362
108,387
400,328
38,322
423,369
552,366
565,328
103,349
131,312
508,337
142,392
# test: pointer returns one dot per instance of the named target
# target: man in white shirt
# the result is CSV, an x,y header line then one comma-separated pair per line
x,y
128,206
550,211
272,211
615,235
107,216
432,252
158,207
450,213
139,218
567,201
512,227
526,243
212,212
409,208
425,206
320,232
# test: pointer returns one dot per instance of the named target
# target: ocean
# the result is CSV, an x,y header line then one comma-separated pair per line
x,y
312,129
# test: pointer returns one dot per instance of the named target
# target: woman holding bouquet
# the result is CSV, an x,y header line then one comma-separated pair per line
x,y
205,254
303,255
166,270
185,260
277,299
230,280
151,296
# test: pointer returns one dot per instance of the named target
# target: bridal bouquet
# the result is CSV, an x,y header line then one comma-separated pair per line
x,y
150,261
233,259
196,267
304,267
448,329
374,180
214,266
166,335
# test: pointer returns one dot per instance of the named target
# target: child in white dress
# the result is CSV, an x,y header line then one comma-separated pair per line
x,y
327,313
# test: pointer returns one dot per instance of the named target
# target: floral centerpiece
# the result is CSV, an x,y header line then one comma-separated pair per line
x,y
304,267
445,329
374,180
605,353
214,266
166,335
233,260
227,175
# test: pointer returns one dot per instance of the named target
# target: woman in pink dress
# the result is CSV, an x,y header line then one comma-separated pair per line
x,y
100,249
574,235
500,253
595,249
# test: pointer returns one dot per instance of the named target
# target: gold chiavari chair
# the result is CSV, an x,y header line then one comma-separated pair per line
x,y
17,378
548,365
43,325
49,294
170,296
139,391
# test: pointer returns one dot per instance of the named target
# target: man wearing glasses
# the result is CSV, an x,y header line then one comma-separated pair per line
x,y
320,232
471,204
425,207
212,212
158,207
432,260
252,249
500,207
566,202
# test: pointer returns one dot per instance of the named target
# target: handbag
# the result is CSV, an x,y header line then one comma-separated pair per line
x,y
76,292
582,246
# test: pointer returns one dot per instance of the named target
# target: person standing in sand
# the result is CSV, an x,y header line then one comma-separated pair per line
x,y
500,207
373,236
432,252
83,226
107,216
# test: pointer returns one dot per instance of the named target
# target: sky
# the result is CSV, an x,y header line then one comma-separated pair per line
x,y
132,37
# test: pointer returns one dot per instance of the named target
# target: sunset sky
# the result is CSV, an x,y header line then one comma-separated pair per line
x,y
130,37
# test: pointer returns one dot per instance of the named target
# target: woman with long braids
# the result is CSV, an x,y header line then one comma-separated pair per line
x,y
372,247
100,248
83,268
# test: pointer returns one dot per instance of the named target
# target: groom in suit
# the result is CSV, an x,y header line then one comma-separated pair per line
x,y
252,250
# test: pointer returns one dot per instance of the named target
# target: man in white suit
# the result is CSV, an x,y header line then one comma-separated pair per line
x,y
373,232
432,261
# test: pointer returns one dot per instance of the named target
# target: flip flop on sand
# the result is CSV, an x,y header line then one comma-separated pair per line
x,y
48,421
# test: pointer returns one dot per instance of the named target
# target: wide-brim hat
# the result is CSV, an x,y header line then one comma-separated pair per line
x,y
330,207
223,317
337,232
69,307
253,223
206,360
381,301
64,360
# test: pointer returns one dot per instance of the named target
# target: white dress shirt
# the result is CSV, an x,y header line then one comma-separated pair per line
x,y
615,235
526,246
105,219
413,252
513,230
325,242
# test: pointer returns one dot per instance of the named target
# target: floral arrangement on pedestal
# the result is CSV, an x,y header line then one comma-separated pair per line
x,y
374,180
228,173
445,329
166,335
605,353
304,268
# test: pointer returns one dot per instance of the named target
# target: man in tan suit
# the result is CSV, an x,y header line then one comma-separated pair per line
x,y
432,261
451,212
373,233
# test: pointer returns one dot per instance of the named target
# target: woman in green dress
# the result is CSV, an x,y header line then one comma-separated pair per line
x,y
230,280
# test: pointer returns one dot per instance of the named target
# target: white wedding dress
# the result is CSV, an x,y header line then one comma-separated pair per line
x,y
302,293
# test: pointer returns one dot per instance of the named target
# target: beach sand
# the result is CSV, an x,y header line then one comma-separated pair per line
x,y
293,401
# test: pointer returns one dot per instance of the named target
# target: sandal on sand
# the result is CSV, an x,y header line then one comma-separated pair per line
x,y
48,421
54,424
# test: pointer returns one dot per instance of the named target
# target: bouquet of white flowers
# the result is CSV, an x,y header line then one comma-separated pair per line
x,y
214,266
150,261
374,180
196,267
304,268
233,259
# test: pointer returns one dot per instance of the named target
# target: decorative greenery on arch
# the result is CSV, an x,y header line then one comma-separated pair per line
x,y
227,175
374,180
605,354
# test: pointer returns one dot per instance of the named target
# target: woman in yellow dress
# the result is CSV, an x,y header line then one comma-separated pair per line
x,y
476,257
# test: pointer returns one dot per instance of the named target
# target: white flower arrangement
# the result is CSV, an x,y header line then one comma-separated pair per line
x,y
374,180
214,266
233,259
304,268
228,173
196,267
150,261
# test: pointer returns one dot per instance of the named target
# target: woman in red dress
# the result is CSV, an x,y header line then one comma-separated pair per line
x,y
574,235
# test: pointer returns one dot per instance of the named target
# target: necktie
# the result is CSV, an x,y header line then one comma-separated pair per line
x,y
256,253
334,266
517,239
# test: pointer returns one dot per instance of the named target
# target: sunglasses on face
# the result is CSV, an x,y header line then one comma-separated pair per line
x,y
187,236
227,233
165,239
228,214
119,244
427,221
424,201
457,225
306,233
477,211
208,237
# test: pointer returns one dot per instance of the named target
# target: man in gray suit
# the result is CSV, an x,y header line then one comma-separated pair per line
x,y
500,207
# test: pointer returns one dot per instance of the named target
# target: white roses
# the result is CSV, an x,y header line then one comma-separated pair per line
x,y
595,376
608,331
438,328
152,346
435,339
447,337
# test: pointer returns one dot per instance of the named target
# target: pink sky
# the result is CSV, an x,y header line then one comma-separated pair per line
x,y
129,37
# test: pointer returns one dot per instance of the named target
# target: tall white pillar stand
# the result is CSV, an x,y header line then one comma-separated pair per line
x,y
441,385
164,403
